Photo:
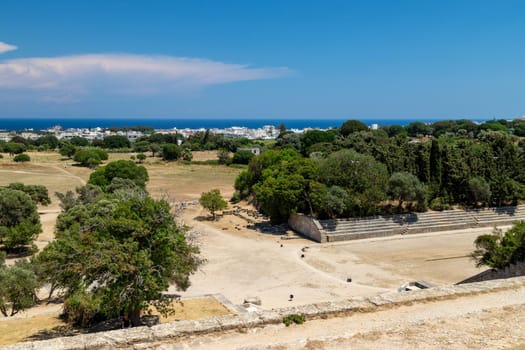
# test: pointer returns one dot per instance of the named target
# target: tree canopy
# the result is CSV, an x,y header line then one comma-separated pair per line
x,y
116,254
19,220
499,249
212,201
124,169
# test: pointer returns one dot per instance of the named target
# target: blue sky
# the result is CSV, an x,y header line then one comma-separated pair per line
x,y
257,59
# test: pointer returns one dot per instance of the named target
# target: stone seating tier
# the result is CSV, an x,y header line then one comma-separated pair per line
x,y
380,226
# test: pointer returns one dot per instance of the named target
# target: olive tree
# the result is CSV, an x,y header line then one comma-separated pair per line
x,y
212,201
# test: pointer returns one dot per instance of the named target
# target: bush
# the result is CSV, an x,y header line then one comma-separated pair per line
x,y
242,157
294,318
439,204
81,309
236,197
90,157
22,158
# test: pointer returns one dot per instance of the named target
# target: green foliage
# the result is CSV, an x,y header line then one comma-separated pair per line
x,y
38,193
79,141
212,201
124,169
480,190
294,318
186,154
499,249
141,157
242,157
117,254
418,129
361,176
20,158
351,126
171,151
403,186
17,288
14,148
90,157
48,140
19,220
116,141
223,155
67,150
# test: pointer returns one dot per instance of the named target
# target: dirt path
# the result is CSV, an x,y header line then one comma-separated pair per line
x,y
486,321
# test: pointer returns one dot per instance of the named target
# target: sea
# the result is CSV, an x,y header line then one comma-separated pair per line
x,y
12,124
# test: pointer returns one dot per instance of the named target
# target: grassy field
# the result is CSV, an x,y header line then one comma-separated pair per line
x,y
48,325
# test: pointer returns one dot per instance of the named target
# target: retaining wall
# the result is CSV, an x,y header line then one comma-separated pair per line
x,y
514,270
146,337
307,226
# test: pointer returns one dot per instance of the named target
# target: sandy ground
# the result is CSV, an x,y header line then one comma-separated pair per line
x,y
243,263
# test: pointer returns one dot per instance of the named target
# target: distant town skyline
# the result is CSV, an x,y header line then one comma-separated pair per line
x,y
262,59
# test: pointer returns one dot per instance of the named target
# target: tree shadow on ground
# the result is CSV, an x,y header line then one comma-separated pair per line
x,y
19,252
55,332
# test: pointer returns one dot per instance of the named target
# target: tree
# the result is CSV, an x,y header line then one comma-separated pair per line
x,y
280,196
351,126
404,186
212,201
499,250
50,140
116,141
79,141
360,175
17,287
124,169
21,158
479,190
223,155
14,148
67,150
118,257
242,157
418,129
141,157
19,220
38,193
154,148
90,157
171,151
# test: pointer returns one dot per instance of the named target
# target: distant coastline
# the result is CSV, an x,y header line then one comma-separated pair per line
x,y
190,123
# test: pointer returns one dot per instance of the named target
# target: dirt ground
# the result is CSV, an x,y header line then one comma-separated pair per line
x,y
242,262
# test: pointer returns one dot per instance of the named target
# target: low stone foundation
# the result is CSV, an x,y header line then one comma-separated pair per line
x,y
140,337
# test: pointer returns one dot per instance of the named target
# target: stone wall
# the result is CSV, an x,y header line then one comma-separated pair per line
x,y
307,226
514,270
145,337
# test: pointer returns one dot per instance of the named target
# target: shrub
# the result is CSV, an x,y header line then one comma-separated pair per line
x,y
81,309
439,204
294,318
22,158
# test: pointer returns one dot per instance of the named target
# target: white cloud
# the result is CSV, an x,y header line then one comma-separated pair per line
x,y
6,47
72,76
